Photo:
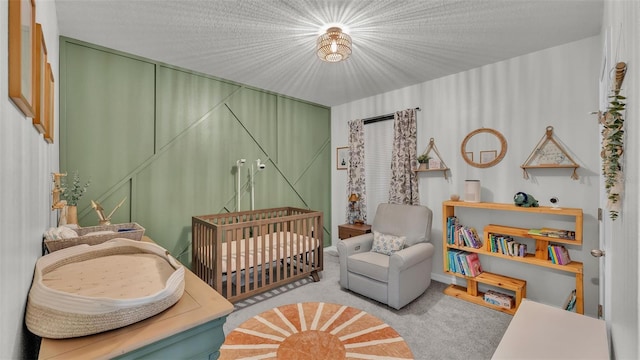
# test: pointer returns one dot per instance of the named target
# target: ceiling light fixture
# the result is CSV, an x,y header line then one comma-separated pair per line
x,y
334,45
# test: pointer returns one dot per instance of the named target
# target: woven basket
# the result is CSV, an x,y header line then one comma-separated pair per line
x,y
53,313
135,233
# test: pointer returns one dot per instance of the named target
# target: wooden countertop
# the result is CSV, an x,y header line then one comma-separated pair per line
x,y
199,304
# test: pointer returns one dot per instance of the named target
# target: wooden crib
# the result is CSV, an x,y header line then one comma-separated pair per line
x,y
241,254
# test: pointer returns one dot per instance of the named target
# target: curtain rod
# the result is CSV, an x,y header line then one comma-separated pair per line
x,y
374,119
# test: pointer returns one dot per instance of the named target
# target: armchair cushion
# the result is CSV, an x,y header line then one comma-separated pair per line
x,y
370,264
387,244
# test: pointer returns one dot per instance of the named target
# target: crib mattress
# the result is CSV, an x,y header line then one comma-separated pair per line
x,y
83,290
273,249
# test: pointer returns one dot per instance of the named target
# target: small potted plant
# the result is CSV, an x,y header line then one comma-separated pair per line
x,y
424,161
71,193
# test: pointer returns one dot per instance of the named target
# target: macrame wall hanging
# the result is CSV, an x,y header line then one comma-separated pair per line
x,y
431,160
548,153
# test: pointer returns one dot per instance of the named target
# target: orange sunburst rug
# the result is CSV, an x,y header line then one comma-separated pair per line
x,y
314,330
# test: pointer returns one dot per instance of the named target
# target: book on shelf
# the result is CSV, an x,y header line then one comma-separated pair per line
x,y
570,303
505,245
464,263
460,235
558,254
553,233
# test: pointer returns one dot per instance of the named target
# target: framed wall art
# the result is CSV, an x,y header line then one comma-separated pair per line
x,y
21,54
342,158
40,81
49,104
488,156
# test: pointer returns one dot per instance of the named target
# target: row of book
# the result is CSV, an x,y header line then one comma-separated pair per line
x,y
460,235
503,244
464,263
558,254
554,233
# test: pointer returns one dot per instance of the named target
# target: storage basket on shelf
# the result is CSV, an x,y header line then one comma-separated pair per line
x,y
94,235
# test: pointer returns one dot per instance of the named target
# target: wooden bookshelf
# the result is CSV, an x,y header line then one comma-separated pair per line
x,y
540,258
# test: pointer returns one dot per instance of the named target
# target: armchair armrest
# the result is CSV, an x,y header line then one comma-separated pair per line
x,y
410,256
348,247
356,244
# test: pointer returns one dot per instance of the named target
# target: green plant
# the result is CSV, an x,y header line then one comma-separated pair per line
x,y
423,159
72,193
612,149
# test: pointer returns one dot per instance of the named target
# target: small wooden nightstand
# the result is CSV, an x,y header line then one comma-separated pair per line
x,y
346,231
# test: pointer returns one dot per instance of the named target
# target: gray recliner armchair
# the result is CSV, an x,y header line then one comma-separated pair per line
x,y
395,279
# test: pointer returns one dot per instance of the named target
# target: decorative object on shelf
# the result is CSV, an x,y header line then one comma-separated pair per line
x,y
56,202
613,144
431,160
548,153
353,208
472,190
454,197
486,139
22,23
423,160
524,200
342,158
71,193
105,220
334,45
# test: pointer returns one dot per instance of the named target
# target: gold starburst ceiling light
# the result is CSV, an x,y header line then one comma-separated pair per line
x,y
334,45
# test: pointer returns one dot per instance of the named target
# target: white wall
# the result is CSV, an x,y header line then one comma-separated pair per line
x,y
26,163
621,26
519,97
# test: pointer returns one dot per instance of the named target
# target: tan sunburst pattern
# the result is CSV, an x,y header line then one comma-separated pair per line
x,y
314,331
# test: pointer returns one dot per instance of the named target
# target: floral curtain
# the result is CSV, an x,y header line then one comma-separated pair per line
x,y
404,181
355,172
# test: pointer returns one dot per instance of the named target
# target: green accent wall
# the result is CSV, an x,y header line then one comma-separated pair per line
x,y
168,140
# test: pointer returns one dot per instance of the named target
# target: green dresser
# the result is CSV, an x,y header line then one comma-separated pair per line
x,y
191,329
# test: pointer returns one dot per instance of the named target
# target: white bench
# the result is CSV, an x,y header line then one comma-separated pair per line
x,y
539,331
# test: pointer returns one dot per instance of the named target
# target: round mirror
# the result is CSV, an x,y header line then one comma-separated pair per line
x,y
483,148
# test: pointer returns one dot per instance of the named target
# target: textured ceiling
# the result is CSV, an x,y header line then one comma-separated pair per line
x,y
270,44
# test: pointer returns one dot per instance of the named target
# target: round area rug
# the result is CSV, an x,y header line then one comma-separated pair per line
x,y
314,331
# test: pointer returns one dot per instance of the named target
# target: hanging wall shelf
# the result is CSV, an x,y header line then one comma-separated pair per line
x,y
549,154
435,162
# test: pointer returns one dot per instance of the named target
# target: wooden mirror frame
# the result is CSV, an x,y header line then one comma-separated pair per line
x,y
503,148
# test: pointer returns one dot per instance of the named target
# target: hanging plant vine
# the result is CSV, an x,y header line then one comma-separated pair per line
x,y
612,149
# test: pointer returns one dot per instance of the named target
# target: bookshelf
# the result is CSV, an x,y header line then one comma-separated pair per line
x,y
539,258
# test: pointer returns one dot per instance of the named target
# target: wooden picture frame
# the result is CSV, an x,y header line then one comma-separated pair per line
x,y
342,158
49,104
469,155
488,156
22,86
40,80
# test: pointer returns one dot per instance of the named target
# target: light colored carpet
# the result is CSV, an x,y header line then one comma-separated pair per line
x,y
435,326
